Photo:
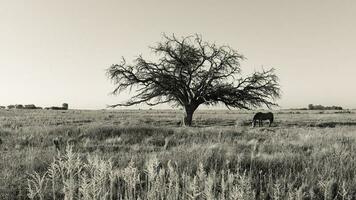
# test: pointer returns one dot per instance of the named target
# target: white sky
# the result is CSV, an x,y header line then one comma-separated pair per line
x,y
57,51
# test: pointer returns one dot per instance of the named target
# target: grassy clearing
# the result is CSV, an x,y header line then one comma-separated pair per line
x,y
301,157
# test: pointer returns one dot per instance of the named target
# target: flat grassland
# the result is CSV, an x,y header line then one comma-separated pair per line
x,y
145,154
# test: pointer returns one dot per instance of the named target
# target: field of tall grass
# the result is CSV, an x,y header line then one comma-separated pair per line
x,y
145,154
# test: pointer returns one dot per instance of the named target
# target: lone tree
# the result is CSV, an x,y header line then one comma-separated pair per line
x,y
190,72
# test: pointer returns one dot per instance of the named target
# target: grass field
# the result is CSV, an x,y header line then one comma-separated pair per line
x,y
145,154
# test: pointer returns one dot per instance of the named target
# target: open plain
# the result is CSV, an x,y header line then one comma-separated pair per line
x,y
304,155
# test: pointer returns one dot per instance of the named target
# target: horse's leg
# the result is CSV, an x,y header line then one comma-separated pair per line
x,y
270,122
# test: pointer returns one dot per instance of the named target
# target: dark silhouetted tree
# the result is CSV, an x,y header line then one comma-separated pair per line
x,y
189,72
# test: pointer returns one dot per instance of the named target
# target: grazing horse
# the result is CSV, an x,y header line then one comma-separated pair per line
x,y
260,117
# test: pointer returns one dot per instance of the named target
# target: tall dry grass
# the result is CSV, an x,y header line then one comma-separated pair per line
x,y
71,176
75,176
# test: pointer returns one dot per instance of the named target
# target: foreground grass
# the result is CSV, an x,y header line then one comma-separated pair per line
x,y
297,159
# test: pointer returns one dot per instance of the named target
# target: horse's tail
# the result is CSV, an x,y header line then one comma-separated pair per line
x,y
271,119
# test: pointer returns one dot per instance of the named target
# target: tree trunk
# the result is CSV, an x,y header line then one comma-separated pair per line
x,y
188,119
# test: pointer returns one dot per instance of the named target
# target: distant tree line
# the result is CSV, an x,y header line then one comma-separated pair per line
x,y
64,107
20,106
320,107
32,107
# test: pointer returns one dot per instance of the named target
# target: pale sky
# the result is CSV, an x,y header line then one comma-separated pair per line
x,y
57,51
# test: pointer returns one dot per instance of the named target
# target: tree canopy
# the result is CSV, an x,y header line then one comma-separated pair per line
x,y
189,72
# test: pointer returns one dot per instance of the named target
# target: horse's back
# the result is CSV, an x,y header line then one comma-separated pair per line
x,y
263,116
257,116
